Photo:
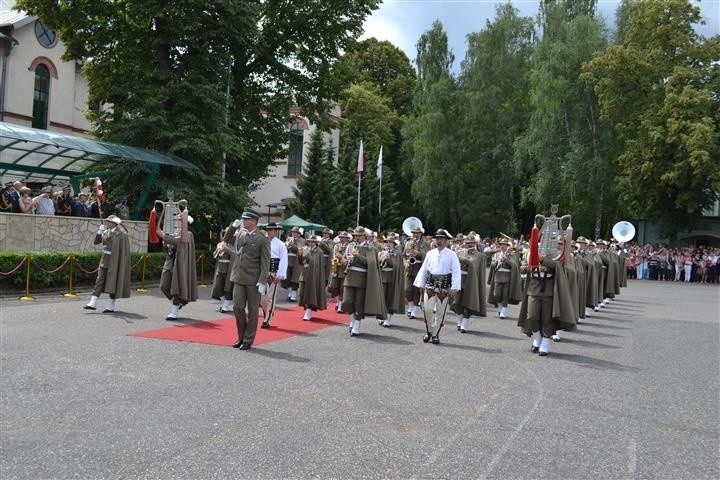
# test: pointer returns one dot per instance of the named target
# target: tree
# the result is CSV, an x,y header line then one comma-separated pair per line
x,y
205,80
367,117
660,89
431,142
494,111
313,197
565,152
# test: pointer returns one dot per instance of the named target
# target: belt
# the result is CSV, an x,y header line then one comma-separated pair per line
x,y
463,272
387,269
358,269
503,270
325,255
223,260
292,254
107,252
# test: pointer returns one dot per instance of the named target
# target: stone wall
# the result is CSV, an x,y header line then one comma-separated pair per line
x,y
29,233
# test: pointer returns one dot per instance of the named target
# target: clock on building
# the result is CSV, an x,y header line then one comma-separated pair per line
x,y
44,35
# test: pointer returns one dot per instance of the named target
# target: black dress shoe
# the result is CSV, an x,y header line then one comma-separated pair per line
x,y
244,346
353,334
543,354
462,330
426,338
459,329
107,310
435,340
237,344
88,307
265,325
225,311
534,349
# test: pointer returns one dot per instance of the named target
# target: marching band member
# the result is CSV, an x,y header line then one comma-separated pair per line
x,y
440,276
292,282
392,273
470,300
337,271
278,273
363,291
504,278
114,270
249,274
222,286
329,244
178,280
415,250
312,280
547,304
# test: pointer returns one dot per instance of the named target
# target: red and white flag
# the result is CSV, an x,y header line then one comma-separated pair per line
x,y
361,160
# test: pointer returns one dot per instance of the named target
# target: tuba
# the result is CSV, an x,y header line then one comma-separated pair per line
x,y
623,231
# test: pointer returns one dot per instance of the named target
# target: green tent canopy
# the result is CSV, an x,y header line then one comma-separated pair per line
x,y
295,221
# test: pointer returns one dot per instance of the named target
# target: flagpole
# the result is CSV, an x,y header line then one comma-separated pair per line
x,y
380,207
357,219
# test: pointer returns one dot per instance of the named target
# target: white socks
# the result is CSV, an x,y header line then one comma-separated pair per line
x,y
556,337
173,311
588,312
110,305
225,305
388,321
464,324
308,314
355,326
545,345
338,304
293,295
416,312
536,339
410,306
93,302
503,312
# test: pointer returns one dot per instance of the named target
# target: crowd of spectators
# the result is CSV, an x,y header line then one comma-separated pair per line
x,y
16,197
679,264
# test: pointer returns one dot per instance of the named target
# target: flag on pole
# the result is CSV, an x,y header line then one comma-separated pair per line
x,y
379,168
361,160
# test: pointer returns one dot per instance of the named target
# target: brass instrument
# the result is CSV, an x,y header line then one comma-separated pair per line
x,y
350,252
219,249
336,259
384,255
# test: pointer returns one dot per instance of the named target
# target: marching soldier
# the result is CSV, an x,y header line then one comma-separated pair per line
x,y
362,294
249,274
470,300
504,278
222,286
278,273
439,275
327,249
312,279
178,280
114,270
414,253
392,272
547,304
292,282
337,271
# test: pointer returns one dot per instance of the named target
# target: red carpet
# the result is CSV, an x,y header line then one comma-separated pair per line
x,y
285,324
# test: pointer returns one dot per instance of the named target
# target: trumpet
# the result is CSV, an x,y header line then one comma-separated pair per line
x,y
350,253
219,249
384,255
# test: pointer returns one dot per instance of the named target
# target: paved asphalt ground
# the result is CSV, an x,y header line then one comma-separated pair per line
x,y
632,394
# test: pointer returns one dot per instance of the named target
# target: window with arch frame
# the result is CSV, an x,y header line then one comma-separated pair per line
x,y
41,97
295,150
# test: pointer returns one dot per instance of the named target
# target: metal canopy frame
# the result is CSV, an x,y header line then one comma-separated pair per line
x,y
44,156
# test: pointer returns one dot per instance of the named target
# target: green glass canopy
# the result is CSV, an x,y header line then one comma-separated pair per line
x,y
45,156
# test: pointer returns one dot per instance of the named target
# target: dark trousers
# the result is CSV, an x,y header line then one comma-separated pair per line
x,y
540,315
502,292
354,302
246,296
166,285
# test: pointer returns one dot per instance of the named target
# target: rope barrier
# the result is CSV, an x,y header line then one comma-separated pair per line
x,y
52,271
87,272
22,262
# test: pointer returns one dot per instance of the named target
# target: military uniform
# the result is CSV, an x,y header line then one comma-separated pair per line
x,y
414,253
313,280
249,276
278,272
392,275
292,282
470,300
178,280
222,286
363,290
504,279
114,269
337,270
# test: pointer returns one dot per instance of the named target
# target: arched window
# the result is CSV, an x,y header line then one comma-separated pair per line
x,y
41,97
296,150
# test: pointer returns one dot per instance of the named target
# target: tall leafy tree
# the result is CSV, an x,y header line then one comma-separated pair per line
x,y
206,79
495,82
564,155
660,89
432,144
367,117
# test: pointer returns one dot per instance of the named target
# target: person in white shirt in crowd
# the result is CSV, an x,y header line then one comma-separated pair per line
x,y
440,277
278,273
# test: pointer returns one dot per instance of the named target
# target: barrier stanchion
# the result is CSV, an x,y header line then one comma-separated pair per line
x,y
202,271
27,279
70,292
142,274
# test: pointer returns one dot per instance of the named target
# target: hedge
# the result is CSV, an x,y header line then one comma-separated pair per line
x,y
88,261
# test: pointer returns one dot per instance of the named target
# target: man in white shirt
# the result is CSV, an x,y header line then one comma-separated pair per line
x,y
440,276
278,272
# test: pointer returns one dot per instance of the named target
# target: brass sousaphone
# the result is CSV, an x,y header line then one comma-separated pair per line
x,y
623,231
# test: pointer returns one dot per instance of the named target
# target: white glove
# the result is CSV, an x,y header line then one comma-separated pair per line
x,y
190,220
262,288
237,223
102,229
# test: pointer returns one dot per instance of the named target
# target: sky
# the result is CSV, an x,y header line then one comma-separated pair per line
x,y
403,21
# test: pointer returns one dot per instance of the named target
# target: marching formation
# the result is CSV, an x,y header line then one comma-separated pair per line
x,y
557,281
